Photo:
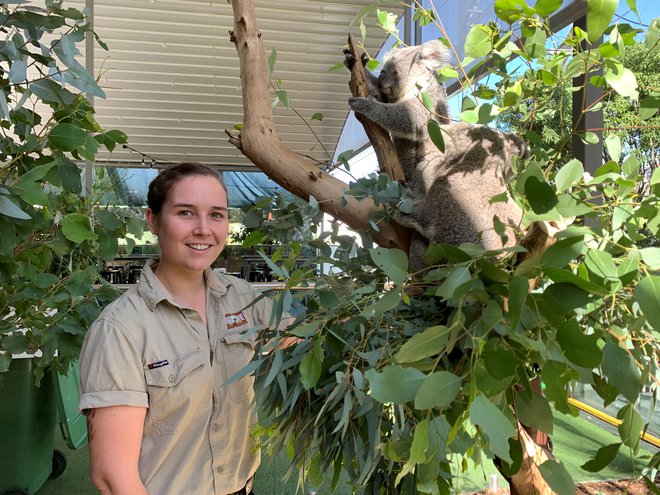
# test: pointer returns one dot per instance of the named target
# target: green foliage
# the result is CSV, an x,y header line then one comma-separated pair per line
x,y
403,379
53,239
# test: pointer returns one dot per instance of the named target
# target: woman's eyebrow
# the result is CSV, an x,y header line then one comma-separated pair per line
x,y
190,205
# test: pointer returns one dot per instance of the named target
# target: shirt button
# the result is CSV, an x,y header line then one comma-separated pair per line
x,y
171,378
220,469
216,427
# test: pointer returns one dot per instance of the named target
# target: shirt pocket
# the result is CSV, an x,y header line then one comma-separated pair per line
x,y
238,350
177,392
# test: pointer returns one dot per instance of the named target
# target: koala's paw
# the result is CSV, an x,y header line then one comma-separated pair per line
x,y
359,104
349,59
408,220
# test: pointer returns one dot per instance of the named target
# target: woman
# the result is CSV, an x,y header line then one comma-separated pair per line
x,y
154,364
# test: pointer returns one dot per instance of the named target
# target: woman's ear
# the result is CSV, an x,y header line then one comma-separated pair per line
x,y
151,221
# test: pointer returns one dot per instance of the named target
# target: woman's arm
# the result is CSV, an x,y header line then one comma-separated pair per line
x,y
115,437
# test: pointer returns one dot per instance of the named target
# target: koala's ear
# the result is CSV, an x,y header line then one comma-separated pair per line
x,y
434,53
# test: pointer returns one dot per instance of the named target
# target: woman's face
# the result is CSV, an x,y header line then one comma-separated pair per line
x,y
192,225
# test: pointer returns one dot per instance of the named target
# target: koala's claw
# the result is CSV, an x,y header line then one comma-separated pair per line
x,y
358,104
349,59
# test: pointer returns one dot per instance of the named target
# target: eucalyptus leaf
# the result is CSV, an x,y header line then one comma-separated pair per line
x,y
458,276
621,371
647,295
394,384
31,193
429,342
438,390
613,146
518,290
496,427
604,457
557,477
420,443
306,329
601,264
630,429
540,195
388,301
649,106
534,411
478,41
9,209
511,10
562,252
16,343
394,262
108,245
546,7
501,361
582,350
569,175
651,257
621,79
77,228
599,16
435,133
563,298
18,72
67,137
312,365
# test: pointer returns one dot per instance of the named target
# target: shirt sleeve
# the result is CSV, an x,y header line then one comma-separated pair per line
x,y
111,368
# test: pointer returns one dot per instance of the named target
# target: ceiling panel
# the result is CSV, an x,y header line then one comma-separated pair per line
x,y
171,75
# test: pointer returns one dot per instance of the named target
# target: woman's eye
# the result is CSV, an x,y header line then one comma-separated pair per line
x,y
185,213
218,216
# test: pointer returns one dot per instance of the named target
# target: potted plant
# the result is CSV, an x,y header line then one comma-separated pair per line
x,y
53,236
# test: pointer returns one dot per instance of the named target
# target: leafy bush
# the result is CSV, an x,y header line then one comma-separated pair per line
x,y
53,239
397,375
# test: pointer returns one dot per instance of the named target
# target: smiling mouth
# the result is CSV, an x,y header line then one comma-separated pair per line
x,y
199,247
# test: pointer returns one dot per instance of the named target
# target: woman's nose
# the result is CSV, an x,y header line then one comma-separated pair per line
x,y
202,227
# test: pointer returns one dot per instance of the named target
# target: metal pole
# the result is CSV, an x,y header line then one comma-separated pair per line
x,y
89,65
591,155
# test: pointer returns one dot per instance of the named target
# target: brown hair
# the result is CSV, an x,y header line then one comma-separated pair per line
x,y
170,175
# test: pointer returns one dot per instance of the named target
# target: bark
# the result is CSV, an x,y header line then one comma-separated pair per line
x,y
378,137
259,142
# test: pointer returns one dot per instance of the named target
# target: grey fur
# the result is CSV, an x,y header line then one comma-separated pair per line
x,y
454,186
395,102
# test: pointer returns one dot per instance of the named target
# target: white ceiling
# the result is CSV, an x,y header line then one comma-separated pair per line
x,y
172,80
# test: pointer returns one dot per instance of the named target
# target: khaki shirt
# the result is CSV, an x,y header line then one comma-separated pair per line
x,y
146,350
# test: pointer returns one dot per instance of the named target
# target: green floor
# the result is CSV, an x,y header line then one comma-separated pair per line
x,y
574,439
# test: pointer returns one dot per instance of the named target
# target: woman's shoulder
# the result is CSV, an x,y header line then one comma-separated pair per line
x,y
231,282
129,307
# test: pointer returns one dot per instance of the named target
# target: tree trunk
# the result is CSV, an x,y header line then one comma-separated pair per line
x,y
258,141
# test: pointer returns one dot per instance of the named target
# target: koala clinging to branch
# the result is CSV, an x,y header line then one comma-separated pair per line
x,y
455,186
406,73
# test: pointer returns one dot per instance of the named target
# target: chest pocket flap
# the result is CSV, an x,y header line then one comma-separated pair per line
x,y
241,338
171,375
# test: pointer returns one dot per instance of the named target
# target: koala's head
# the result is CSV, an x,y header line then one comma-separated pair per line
x,y
405,68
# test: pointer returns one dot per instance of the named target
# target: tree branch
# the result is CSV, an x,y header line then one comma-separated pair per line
x,y
380,139
259,141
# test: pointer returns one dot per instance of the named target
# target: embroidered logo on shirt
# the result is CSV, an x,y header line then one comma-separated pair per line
x,y
235,320
158,364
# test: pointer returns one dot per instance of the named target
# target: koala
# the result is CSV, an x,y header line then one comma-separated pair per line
x,y
395,101
454,186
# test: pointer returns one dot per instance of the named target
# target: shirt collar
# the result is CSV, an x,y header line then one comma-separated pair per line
x,y
153,291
